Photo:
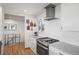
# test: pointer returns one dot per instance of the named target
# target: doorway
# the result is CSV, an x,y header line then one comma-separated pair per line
x,y
14,33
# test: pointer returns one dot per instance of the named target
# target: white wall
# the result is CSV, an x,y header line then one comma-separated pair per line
x,y
70,22
70,16
1,22
66,29
29,33
20,27
53,27
1,28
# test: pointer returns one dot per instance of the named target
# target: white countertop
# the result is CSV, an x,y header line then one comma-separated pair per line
x,y
66,48
36,36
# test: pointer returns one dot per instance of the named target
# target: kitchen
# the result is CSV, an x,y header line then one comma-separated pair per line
x,y
52,31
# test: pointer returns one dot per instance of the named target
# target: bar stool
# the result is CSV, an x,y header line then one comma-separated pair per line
x,y
17,36
6,39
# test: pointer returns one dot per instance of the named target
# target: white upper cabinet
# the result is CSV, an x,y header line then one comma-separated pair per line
x,y
70,16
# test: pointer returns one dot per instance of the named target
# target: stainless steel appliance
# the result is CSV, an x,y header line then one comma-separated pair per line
x,y
50,12
43,45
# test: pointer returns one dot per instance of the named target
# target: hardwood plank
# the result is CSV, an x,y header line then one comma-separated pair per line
x,y
17,49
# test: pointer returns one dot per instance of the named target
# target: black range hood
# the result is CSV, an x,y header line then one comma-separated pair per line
x,y
50,12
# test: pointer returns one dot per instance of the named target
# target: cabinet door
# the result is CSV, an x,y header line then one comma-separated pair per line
x,y
51,51
29,41
54,51
33,44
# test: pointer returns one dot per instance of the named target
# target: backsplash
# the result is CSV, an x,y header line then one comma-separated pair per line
x,y
71,37
53,30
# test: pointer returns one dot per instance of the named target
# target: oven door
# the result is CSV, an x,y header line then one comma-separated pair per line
x,y
42,50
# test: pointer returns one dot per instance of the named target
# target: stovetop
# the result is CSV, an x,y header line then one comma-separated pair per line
x,y
47,40
51,41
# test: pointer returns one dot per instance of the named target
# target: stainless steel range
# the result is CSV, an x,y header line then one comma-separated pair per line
x,y
43,45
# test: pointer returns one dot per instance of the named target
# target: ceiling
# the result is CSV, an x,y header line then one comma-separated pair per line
x,y
24,8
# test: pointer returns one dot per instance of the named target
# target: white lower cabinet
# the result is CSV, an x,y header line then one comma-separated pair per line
x,y
54,51
32,43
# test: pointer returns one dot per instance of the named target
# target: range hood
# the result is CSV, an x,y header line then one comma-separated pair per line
x,y
50,12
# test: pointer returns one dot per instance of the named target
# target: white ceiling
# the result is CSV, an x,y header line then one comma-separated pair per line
x,y
18,8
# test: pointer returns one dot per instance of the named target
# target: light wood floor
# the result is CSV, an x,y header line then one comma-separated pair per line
x,y
17,49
